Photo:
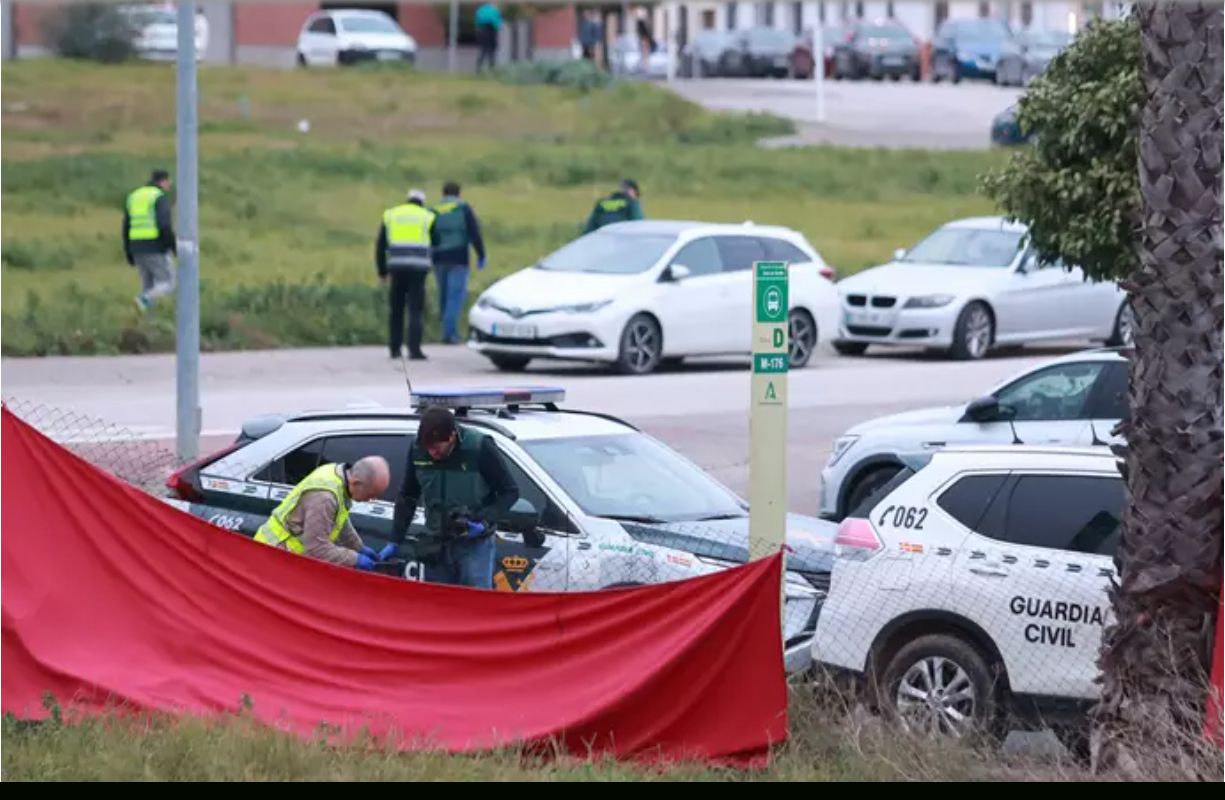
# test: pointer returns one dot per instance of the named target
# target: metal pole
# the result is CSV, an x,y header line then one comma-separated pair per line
x,y
187,316
673,35
453,36
818,68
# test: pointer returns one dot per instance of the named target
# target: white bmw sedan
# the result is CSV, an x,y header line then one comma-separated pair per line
x,y
972,285
635,295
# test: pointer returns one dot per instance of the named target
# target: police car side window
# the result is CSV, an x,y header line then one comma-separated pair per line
x,y
968,499
739,252
551,517
1080,514
295,465
1109,398
701,256
393,447
1057,393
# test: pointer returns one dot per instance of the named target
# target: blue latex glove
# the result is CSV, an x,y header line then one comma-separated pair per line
x,y
370,552
475,529
388,551
365,562
480,264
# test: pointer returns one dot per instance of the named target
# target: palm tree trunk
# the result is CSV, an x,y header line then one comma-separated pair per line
x,y
1156,656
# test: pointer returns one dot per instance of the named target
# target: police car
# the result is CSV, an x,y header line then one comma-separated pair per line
x,y
601,504
1073,400
974,587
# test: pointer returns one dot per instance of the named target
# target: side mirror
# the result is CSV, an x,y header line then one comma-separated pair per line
x,y
899,254
523,517
988,409
678,272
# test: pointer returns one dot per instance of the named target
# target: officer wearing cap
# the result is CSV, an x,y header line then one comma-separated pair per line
x,y
403,258
620,206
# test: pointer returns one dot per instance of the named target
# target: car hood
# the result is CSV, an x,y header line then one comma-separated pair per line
x,y
941,415
912,279
977,49
538,289
810,540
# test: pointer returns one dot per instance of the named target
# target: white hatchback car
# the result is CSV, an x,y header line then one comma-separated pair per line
x,y
348,36
155,30
973,285
977,587
1075,400
638,294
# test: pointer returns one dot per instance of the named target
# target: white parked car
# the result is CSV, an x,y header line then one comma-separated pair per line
x,y
348,36
155,30
976,588
638,294
973,285
1073,400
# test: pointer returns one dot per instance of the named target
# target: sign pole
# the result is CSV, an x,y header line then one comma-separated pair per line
x,y
768,410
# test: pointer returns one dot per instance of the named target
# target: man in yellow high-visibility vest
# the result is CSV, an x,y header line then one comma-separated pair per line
x,y
403,256
148,237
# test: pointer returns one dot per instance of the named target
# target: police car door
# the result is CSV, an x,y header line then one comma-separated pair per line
x,y
1039,555
533,546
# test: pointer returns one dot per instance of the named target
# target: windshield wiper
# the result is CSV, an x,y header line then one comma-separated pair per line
x,y
714,517
633,518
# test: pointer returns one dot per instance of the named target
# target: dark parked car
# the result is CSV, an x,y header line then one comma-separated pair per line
x,y
701,57
876,49
1005,130
1028,55
758,53
968,48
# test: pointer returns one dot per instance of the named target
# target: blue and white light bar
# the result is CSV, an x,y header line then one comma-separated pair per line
x,y
486,396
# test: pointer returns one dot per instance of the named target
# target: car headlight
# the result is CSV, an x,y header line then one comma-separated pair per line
x,y
965,55
583,308
929,301
483,302
841,446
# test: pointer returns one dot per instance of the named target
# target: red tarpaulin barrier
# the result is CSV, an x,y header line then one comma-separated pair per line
x,y
111,596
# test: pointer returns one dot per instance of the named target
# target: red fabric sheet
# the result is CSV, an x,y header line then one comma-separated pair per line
x,y
111,596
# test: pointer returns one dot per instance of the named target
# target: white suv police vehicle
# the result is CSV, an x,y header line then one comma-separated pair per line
x,y
601,504
1073,401
975,588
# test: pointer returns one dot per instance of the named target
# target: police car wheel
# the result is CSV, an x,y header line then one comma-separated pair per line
x,y
641,346
941,685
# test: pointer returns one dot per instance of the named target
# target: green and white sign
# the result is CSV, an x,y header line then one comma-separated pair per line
x,y
768,410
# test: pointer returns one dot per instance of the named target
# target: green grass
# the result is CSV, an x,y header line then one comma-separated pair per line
x,y
823,747
288,219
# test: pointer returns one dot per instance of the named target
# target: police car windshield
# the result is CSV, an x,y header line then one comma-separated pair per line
x,y
966,247
609,252
630,476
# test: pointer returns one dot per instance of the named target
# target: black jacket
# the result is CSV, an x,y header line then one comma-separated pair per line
x,y
165,241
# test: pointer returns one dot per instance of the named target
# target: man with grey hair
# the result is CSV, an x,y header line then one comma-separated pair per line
x,y
313,519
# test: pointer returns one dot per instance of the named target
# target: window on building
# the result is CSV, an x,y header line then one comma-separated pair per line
x,y
821,12
984,9
859,10
731,16
1027,14
708,19
889,9
942,12
797,18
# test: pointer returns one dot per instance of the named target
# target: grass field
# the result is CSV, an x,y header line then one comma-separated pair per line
x,y
288,219
824,746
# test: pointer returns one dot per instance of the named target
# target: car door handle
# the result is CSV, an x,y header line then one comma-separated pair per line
x,y
990,571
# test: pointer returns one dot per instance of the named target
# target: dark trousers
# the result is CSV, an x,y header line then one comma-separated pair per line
x,y
406,287
487,39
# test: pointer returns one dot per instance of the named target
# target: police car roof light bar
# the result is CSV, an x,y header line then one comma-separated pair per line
x,y
488,397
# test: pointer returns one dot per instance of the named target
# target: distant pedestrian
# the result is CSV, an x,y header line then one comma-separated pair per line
x,y
148,238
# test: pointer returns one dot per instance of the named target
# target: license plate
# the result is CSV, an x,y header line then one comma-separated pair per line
x,y
514,330
865,317
893,61
389,55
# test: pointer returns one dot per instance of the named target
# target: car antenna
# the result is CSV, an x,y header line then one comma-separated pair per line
x,y
1013,425
408,380
1097,442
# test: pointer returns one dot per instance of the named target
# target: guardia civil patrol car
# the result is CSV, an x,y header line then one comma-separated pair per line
x,y
973,586
601,505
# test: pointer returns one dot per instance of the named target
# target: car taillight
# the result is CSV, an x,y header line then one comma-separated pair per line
x,y
857,539
183,480
828,273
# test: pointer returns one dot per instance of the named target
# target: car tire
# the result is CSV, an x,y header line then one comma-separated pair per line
x,y
867,484
973,334
641,346
956,70
1076,739
1124,331
932,681
508,363
802,338
302,60
850,348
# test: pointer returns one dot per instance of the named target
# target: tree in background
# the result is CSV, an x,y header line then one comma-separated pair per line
x,y
1146,91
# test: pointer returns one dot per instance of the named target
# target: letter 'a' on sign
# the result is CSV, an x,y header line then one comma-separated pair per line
x,y
770,393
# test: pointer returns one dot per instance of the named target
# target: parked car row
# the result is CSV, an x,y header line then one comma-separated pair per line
x,y
645,294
